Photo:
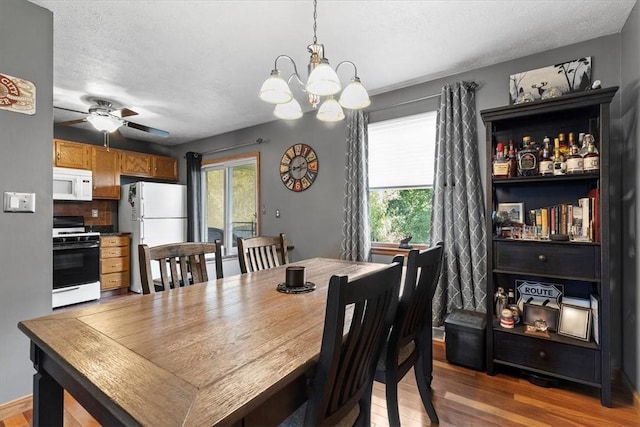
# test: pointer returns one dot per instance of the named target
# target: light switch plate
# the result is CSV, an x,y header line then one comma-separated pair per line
x,y
19,202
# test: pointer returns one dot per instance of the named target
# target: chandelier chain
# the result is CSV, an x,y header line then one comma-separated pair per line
x,y
315,18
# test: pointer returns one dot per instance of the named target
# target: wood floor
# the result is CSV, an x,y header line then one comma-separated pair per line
x,y
464,397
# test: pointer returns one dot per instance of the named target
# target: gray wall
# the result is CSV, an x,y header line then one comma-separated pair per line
x,y
26,43
630,114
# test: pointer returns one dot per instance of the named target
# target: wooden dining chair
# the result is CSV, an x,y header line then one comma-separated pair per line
x,y
262,252
406,346
176,262
343,380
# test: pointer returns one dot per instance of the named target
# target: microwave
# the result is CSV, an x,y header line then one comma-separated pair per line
x,y
72,184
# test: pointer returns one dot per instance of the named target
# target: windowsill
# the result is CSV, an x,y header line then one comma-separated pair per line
x,y
392,249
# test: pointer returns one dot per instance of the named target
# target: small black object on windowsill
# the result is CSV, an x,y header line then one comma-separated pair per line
x,y
404,243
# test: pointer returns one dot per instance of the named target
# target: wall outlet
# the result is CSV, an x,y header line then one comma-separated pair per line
x,y
19,202
94,213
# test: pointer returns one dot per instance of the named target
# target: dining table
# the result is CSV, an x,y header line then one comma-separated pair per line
x,y
231,351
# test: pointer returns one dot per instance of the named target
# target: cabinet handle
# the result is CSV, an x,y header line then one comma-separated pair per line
x,y
542,258
543,355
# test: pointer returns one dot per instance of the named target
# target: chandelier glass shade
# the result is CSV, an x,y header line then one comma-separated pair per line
x,y
104,123
323,81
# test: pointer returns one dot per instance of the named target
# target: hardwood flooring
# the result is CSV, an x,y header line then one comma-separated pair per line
x,y
462,397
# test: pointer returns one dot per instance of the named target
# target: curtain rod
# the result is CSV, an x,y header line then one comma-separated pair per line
x,y
411,101
220,150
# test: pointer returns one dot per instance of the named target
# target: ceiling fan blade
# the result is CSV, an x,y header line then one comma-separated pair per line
x,y
69,109
144,128
71,122
124,112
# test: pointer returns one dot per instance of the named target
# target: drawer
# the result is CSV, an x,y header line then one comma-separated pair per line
x,y
114,252
114,280
112,265
571,260
114,241
557,358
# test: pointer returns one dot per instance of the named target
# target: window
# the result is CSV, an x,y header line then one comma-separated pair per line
x,y
230,189
401,169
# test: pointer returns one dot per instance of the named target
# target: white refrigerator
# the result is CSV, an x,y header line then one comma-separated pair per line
x,y
154,214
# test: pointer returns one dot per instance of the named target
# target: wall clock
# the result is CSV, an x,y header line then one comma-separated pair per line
x,y
298,167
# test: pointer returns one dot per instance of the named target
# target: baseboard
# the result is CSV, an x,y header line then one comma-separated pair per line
x,y
15,407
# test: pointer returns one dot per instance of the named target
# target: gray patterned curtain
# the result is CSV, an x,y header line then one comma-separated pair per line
x,y
458,208
356,236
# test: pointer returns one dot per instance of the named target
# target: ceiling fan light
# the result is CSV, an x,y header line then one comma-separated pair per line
x,y
275,90
104,123
330,111
354,96
288,111
323,80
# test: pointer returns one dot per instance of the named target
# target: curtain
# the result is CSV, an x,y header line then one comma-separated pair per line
x,y
356,236
458,207
194,197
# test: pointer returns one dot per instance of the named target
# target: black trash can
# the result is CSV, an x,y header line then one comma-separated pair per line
x,y
465,342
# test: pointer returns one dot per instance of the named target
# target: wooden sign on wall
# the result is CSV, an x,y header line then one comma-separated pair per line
x,y
17,95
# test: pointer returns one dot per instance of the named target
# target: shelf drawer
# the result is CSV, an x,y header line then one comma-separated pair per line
x,y
114,241
114,252
112,265
114,280
551,259
557,358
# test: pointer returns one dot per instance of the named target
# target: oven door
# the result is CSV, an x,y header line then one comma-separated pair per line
x,y
75,263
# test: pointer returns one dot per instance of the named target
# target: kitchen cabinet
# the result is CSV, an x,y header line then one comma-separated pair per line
x,y
165,167
135,164
579,269
105,164
114,262
69,154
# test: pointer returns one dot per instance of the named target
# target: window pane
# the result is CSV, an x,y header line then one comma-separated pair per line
x,y
214,205
395,214
243,202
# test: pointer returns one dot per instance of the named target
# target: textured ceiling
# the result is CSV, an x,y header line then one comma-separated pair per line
x,y
194,68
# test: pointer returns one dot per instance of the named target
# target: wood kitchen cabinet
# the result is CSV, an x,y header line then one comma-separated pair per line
x,y
135,164
165,167
114,262
69,154
105,164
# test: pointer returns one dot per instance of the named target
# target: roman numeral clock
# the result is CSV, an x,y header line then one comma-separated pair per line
x,y
298,167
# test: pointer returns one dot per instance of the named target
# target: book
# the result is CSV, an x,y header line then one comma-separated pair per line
x,y
595,304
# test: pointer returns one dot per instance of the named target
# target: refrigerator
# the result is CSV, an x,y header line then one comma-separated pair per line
x,y
155,214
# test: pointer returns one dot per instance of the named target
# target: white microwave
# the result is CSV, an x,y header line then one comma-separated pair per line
x,y
72,184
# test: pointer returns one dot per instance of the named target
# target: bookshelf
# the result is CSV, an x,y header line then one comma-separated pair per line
x,y
576,269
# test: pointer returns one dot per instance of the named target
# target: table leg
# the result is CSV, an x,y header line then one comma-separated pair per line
x,y
48,396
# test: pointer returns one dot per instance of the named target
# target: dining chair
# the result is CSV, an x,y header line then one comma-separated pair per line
x,y
342,384
408,345
176,262
262,252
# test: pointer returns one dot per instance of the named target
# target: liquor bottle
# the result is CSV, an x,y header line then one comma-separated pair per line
x,y
558,159
564,147
528,158
583,144
546,164
592,158
500,164
500,299
511,296
574,159
513,164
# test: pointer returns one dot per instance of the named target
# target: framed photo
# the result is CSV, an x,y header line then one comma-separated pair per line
x,y
551,81
514,210
534,312
575,322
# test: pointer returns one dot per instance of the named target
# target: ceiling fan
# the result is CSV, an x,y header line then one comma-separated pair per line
x,y
104,117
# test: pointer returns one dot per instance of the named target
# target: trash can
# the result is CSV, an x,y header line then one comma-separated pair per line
x,y
465,342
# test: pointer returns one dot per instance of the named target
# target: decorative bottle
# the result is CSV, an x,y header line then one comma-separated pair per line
x,y
564,147
583,144
501,300
592,158
546,164
513,164
500,163
558,159
528,158
574,159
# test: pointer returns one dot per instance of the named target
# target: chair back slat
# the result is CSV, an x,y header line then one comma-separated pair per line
x,y
262,252
180,264
344,374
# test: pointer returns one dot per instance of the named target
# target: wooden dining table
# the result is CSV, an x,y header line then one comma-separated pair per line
x,y
232,351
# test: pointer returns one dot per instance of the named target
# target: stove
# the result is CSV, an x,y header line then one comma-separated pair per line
x,y
76,262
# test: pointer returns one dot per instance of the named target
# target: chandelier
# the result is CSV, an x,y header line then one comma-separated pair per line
x,y
322,82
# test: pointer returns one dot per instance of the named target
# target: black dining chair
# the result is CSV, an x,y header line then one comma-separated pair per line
x,y
343,380
407,345
180,264
262,252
